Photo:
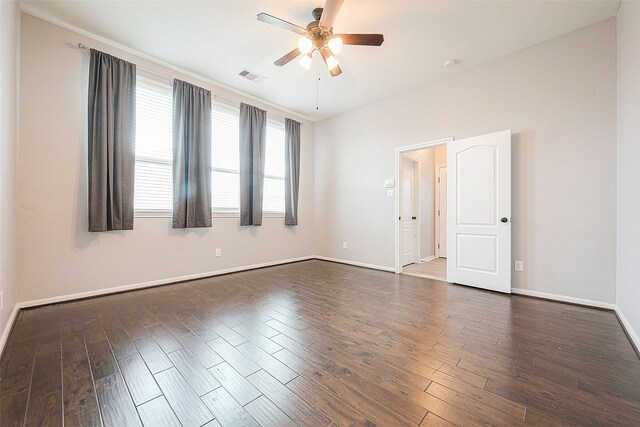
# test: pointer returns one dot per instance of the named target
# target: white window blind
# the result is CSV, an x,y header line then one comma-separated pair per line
x,y
225,158
153,179
273,194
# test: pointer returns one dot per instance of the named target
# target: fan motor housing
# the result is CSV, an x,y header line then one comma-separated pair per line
x,y
318,34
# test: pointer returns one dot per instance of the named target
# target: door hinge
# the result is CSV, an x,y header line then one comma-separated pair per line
x,y
438,179
438,245
438,212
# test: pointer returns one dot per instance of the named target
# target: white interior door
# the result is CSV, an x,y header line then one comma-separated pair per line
x,y
441,217
407,212
479,195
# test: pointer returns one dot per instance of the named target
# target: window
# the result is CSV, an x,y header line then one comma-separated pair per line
x,y
154,154
154,115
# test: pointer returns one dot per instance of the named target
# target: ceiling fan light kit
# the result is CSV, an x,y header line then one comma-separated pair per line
x,y
318,35
305,45
305,62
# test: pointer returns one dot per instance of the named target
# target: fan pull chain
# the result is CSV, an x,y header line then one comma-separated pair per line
x,y
317,92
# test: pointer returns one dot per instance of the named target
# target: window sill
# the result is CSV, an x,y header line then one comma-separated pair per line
x,y
168,214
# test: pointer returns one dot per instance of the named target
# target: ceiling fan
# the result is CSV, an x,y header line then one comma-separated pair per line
x,y
318,35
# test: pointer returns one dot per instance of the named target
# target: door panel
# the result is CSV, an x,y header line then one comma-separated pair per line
x,y
479,196
477,186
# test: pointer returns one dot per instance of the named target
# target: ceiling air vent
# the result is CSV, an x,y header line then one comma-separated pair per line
x,y
250,75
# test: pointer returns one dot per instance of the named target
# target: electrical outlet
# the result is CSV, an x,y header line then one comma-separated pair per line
x,y
519,266
344,245
218,252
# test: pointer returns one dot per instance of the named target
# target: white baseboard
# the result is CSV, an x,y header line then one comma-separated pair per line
x,y
7,327
562,298
633,336
635,340
429,258
356,263
80,295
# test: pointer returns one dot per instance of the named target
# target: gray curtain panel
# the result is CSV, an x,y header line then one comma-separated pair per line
x,y
253,137
191,156
292,171
112,154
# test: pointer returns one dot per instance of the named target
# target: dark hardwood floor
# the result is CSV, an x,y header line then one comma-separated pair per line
x,y
317,343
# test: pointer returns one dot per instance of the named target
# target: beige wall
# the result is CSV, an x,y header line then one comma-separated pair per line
x,y
9,99
57,256
441,155
559,100
628,297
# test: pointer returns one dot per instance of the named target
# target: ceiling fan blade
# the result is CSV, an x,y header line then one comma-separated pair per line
x,y
335,71
329,13
270,19
362,39
288,57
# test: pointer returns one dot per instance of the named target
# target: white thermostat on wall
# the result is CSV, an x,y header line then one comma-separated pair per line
x,y
389,183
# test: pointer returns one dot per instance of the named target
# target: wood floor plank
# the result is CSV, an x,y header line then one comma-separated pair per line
x,y
466,376
297,363
239,361
267,362
79,396
164,338
339,412
403,409
153,356
183,400
14,396
258,339
115,403
200,380
317,343
229,335
292,405
241,389
227,411
118,338
202,351
268,414
133,326
361,403
139,380
45,397
157,412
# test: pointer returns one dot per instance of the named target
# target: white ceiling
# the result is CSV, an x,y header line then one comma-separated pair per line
x,y
217,39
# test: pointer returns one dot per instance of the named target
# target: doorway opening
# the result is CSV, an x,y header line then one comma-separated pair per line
x,y
421,242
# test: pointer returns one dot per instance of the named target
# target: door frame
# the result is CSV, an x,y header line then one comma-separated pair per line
x,y
417,179
398,158
437,200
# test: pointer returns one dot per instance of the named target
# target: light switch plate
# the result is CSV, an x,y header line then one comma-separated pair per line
x,y
389,183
